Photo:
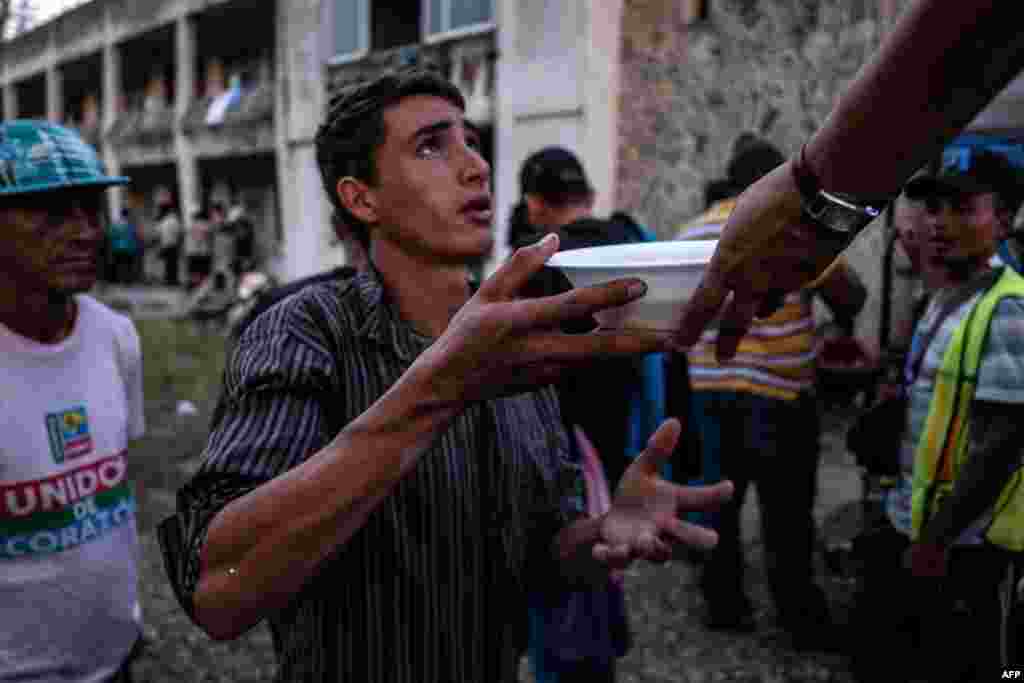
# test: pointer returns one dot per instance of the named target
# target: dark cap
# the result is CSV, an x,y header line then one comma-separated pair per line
x,y
554,172
986,172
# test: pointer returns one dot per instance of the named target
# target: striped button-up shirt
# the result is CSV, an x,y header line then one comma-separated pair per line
x,y
433,587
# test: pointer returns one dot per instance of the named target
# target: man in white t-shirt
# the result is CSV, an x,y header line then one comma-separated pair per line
x,y
70,401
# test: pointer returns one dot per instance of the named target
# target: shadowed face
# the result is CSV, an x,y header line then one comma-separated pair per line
x,y
51,241
961,228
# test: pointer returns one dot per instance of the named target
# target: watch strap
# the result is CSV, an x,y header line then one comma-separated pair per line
x,y
809,185
806,181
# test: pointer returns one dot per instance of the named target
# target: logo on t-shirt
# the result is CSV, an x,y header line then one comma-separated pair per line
x,y
69,434
65,510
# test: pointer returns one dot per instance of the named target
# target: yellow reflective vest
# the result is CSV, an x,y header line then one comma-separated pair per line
x,y
944,444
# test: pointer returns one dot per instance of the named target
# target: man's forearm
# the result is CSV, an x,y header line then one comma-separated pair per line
x,y
994,455
942,63
845,294
262,548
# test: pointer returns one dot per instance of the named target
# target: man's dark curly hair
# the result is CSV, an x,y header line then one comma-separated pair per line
x,y
347,141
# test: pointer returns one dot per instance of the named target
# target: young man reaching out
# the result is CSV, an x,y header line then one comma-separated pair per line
x,y
386,480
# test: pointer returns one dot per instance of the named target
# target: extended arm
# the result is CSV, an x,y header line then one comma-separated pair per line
x,y
262,547
845,294
942,63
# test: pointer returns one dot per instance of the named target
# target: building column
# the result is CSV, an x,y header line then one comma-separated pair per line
x,y
10,96
189,190
54,90
557,83
282,156
110,111
600,95
304,206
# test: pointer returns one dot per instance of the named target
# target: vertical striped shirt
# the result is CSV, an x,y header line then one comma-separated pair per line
x,y
433,587
778,356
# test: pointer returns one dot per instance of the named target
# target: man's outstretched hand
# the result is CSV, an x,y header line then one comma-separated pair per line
x,y
643,522
765,251
498,344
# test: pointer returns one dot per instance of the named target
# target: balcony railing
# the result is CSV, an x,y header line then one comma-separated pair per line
x,y
255,105
141,125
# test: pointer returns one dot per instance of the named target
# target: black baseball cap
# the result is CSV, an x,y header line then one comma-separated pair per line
x,y
554,172
986,172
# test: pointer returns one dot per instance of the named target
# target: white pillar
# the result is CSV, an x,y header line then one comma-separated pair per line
x,y
10,96
54,87
111,98
282,158
556,84
184,88
306,212
600,96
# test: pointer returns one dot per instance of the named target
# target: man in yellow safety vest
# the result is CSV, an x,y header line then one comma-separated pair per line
x,y
959,504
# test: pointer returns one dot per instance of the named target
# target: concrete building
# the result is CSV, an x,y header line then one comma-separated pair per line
x,y
651,94
204,100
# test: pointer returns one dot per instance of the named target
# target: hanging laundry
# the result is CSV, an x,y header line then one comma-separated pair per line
x,y
224,102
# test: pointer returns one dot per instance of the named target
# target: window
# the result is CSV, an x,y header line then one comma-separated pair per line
x,y
444,17
350,25
394,24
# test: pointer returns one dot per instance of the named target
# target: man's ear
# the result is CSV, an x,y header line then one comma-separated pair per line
x,y
358,198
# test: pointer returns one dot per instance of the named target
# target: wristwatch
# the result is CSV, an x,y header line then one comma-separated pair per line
x,y
836,217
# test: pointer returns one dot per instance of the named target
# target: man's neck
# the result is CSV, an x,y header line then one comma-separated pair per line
x,y
43,317
427,296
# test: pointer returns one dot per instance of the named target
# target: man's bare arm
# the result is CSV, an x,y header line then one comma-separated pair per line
x,y
943,62
263,547
845,294
995,454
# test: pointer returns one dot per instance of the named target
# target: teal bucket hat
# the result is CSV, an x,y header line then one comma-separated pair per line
x,y
37,156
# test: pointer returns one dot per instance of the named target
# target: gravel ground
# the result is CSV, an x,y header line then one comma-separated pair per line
x,y
665,607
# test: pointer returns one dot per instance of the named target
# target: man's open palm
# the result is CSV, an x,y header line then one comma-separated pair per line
x,y
644,518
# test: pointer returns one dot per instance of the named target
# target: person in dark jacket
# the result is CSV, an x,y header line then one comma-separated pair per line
x,y
603,401
558,197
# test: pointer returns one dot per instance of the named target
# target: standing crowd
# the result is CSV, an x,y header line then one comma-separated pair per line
x,y
415,475
215,242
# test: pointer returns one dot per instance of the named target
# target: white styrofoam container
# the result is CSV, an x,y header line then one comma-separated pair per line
x,y
671,269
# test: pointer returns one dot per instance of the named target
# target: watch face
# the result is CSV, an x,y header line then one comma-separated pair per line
x,y
841,219
839,216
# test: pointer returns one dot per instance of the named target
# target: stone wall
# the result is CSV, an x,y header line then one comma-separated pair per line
x,y
772,67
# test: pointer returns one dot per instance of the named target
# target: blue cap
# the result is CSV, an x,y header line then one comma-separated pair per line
x,y
38,156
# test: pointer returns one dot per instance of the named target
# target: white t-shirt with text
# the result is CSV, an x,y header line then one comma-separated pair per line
x,y
68,539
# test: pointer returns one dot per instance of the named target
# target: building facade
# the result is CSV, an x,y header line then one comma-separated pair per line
x,y
212,100
217,99
199,100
